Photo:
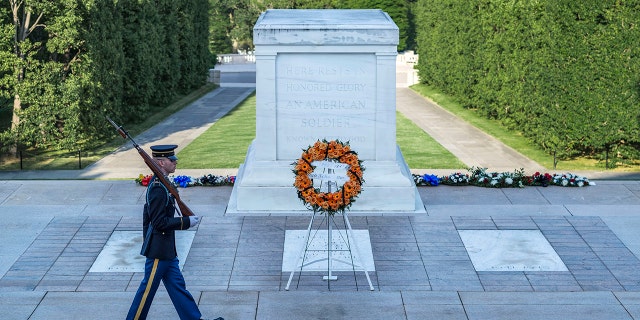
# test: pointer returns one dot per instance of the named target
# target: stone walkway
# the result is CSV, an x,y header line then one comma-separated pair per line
x,y
472,146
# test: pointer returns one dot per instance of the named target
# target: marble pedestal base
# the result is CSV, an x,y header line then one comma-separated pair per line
x,y
266,187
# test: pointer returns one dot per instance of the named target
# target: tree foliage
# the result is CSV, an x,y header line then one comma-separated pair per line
x,y
399,11
564,73
232,21
68,63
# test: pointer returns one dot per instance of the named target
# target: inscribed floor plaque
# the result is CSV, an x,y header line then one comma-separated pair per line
x,y
121,253
316,255
510,250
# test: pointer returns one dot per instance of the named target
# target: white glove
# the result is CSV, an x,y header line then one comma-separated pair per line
x,y
193,221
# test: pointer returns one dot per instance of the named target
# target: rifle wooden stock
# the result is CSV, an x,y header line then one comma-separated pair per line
x,y
184,209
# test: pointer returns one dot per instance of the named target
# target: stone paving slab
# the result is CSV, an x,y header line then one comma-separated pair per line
x,y
323,305
19,305
334,305
543,305
94,305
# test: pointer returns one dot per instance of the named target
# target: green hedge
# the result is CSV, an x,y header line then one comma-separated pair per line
x,y
91,58
566,73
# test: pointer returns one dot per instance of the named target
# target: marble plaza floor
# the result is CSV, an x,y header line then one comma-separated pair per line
x,y
54,231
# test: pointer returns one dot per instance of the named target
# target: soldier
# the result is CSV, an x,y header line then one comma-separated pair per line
x,y
159,245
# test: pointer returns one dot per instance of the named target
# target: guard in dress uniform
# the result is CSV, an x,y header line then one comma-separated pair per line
x,y
159,245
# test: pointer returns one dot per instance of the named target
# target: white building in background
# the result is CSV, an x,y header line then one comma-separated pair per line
x,y
406,74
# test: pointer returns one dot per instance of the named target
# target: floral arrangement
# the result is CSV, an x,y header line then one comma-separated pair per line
x,y
144,180
570,180
426,180
482,178
187,181
478,177
456,179
517,179
328,202
539,179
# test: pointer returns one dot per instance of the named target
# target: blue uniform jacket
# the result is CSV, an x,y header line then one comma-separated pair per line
x,y
158,214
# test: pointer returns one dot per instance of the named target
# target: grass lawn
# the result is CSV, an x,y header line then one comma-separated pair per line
x,y
420,151
225,144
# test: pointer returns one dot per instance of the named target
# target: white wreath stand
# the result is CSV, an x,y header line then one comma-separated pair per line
x,y
356,261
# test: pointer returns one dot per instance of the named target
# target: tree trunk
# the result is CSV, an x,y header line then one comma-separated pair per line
x,y
23,28
15,119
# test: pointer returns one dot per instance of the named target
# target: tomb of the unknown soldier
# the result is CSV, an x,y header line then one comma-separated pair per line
x,y
324,75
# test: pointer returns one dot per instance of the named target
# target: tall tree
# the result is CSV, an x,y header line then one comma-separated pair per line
x,y
219,27
399,11
67,63
193,24
46,47
563,73
100,86
232,24
26,17
8,63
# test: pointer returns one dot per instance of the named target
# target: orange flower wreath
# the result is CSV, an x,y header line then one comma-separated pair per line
x,y
343,197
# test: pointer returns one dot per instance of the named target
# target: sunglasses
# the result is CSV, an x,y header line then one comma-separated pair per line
x,y
167,159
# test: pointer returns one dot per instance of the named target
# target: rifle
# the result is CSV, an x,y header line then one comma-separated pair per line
x,y
156,170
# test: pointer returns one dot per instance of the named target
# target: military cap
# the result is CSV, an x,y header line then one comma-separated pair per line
x,y
164,151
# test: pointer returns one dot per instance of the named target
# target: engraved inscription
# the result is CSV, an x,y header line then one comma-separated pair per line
x,y
325,96
313,87
325,122
325,104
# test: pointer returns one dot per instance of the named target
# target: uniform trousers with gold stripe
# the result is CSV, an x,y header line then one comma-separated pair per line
x,y
167,271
